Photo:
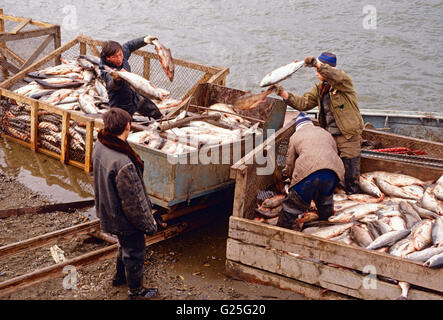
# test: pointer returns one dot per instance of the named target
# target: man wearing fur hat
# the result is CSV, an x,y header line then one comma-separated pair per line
x,y
314,167
339,114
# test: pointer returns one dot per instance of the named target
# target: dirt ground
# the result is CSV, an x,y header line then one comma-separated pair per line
x,y
187,267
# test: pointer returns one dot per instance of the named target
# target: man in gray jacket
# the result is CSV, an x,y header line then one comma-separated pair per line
x,y
315,168
121,200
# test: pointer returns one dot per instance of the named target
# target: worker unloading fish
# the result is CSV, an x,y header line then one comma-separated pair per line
x,y
120,93
339,114
314,167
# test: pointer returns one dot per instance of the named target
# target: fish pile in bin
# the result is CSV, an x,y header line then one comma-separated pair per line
x,y
396,214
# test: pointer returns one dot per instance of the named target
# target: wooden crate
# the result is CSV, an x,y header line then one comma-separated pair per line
x,y
267,254
16,29
188,76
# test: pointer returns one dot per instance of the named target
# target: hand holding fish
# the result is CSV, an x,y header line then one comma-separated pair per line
x,y
311,61
279,90
149,39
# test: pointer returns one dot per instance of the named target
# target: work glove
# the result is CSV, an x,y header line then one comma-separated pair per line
x,y
278,88
114,75
310,61
149,39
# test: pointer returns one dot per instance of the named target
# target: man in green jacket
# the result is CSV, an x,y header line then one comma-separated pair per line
x,y
339,114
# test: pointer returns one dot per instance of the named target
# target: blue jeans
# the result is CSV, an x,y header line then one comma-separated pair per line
x,y
318,186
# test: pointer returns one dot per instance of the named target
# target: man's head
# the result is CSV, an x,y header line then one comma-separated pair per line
x,y
112,52
117,121
301,120
327,58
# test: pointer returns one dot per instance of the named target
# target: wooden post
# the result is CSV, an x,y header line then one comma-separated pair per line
x,y
57,43
82,48
65,137
146,68
34,125
3,44
89,141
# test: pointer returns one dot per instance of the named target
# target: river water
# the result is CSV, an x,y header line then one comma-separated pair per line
x,y
391,49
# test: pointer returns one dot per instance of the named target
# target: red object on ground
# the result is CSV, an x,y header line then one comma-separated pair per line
x,y
401,150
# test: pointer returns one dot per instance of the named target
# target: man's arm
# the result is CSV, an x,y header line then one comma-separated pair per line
x,y
301,103
135,204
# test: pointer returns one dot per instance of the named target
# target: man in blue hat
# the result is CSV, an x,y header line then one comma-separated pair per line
x,y
339,114
314,167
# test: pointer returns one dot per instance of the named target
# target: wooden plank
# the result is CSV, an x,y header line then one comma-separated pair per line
x,y
19,76
27,34
48,238
246,273
7,65
11,55
341,280
37,52
146,68
332,252
47,208
83,48
64,156
10,286
94,49
20,26
57,44
2,43
34,125
18,19
89,142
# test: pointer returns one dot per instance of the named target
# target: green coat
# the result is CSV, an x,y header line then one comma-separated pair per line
x,y
344,105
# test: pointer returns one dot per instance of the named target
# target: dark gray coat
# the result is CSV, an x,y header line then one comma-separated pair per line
x,y
121,200
120,93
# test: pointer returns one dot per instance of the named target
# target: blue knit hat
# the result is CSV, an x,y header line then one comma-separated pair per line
x,y
328,58
302,119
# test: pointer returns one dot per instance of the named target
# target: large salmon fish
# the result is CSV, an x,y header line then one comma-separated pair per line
x,y
165,59
281,73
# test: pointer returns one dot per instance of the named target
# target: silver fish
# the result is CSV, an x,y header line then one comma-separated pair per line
x,y
93,59
411,216
402,248
388,239
430,202
437,232
281,73
356,212
144,87
332,231
404,286
397,179
87,104
434,261
392,190
422,235
425,254
361,236
368,186
424,213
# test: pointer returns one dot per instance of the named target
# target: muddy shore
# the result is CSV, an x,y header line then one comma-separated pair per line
x,y
187,267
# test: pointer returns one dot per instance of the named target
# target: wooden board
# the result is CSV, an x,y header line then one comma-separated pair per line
x,y
352,257
342,280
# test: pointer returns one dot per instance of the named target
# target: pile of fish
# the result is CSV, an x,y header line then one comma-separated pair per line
x,y
17,123
191,136
77,85
397,214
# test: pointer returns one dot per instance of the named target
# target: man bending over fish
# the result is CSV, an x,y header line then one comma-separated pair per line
x,y
121,95
339,114
314,166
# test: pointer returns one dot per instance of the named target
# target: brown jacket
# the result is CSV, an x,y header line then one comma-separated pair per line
x,y
344,105
311,149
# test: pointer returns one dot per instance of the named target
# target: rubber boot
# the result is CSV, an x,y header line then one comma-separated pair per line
x,y
120,275
325,206
352,175
293,206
